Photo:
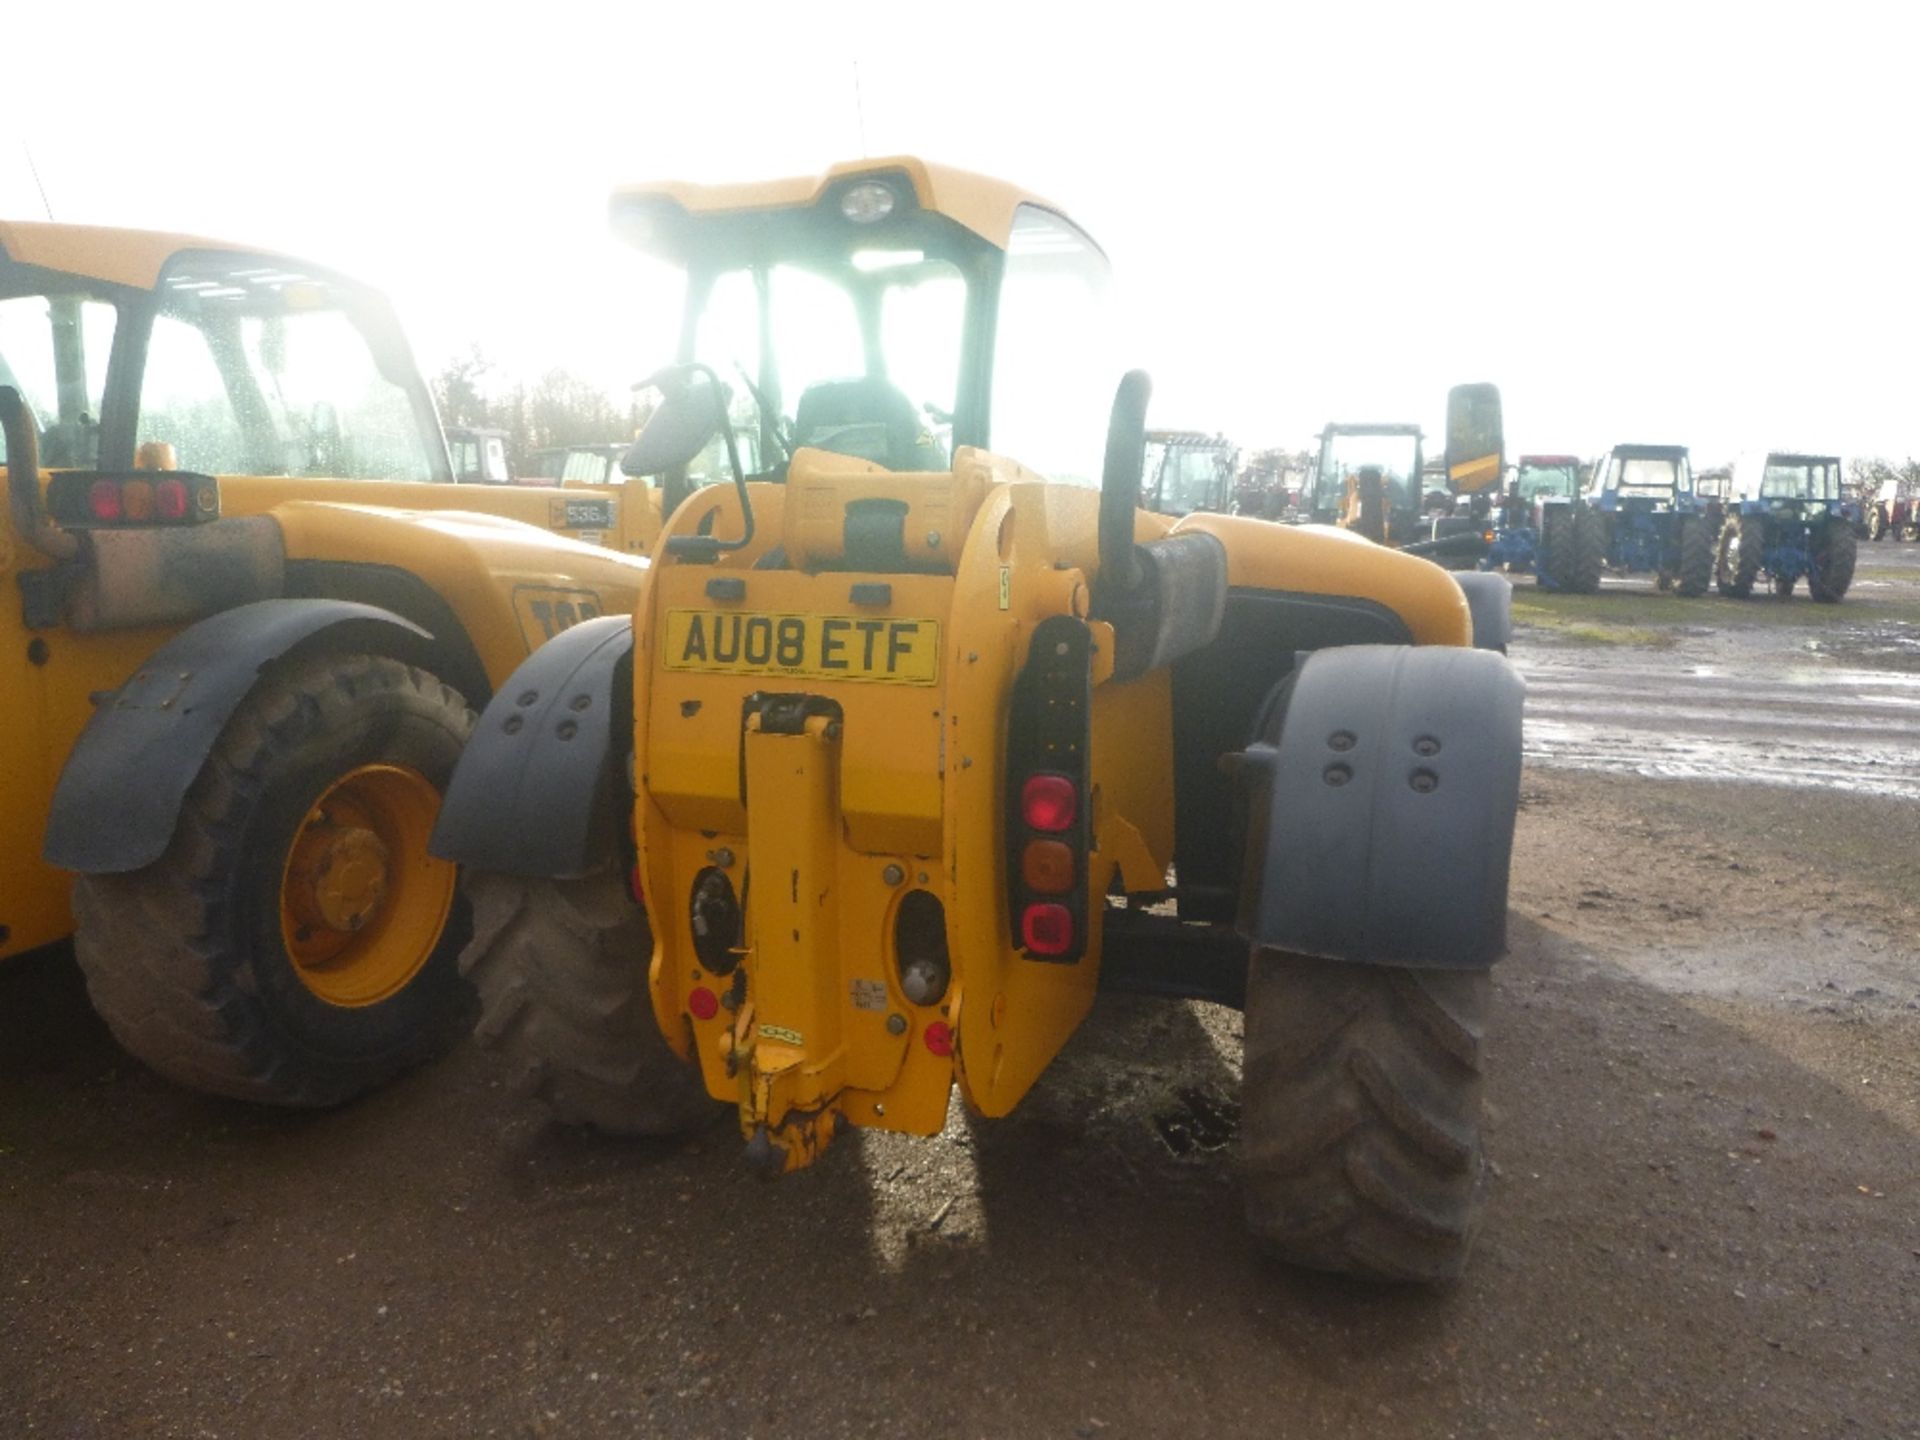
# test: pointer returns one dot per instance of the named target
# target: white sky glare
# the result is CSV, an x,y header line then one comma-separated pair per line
x,y
1668,223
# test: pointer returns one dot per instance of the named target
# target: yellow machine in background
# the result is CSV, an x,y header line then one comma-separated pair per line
x,y
245,622
906,740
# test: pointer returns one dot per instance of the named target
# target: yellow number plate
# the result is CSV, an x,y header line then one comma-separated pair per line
x,y
812,647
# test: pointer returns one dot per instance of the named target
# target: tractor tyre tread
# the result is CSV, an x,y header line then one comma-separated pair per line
x,y
1360,1115
1834,556
561,969
170,954
1696,557
1736,579
1586,554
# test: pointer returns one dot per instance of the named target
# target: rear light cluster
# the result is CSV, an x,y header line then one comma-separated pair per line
x,y
81,501
1048,834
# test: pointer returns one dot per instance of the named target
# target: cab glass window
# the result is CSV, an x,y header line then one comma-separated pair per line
x,y
54,350
857,353
1649,476
1538,480
253,369
1799,480
1054,369
1343,457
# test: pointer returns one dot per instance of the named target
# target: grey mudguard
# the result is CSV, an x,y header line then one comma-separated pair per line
x,y
536,791
120,791
1490,598
1383,796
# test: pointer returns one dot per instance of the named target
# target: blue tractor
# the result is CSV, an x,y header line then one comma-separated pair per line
x,y
1640,516
1516,518
1786,521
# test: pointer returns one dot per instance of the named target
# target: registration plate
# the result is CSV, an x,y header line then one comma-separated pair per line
x,y
813,647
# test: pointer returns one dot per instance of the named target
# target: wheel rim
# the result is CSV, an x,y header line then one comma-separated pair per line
x,y
362,903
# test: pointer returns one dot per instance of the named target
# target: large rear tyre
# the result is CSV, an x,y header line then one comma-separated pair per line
x,y
296,944
1696,557
1360,1115
1586,553
1742,544
1834,554
1555,533
561,967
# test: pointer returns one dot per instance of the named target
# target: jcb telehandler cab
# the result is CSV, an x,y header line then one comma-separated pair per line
x,y
246,614
896,761
1186,471
1375,480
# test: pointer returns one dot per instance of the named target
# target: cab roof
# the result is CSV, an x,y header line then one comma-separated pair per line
x,y
113,256
1548,460
1650,452
981,204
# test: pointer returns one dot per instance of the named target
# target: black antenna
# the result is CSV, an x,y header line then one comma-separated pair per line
x,y
859,110
36,180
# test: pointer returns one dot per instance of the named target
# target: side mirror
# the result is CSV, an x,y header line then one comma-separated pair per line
x,y
1120,481
693,409
1476,443
688,416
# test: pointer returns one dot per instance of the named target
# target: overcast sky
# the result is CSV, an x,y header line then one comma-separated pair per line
x,y
1667,223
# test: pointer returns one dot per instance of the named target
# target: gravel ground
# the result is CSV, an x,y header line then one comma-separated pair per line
x,y
1703,1214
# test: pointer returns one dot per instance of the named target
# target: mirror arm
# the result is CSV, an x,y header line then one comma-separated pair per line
x,y
704,549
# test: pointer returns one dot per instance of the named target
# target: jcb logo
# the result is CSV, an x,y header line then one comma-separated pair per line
x,y
544,613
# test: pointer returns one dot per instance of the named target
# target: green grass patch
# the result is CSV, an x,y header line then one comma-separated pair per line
x,y
1649,610
1575,630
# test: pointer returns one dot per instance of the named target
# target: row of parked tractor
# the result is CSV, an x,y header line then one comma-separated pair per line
x,y
1770,521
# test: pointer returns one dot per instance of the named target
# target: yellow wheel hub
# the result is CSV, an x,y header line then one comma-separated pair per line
x,y
362,903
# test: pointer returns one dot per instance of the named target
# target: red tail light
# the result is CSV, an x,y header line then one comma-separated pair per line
x,y
1048,795
83,500
938,1038
702,1003
1048,802
170,499
1047,929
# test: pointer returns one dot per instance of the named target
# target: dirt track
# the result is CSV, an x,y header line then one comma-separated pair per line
x,y
1703,1219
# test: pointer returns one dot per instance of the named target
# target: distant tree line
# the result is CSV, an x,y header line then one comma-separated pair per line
x,y
559,408
1866,474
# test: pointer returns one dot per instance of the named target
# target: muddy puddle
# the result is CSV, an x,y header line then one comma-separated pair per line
x,y
1775,714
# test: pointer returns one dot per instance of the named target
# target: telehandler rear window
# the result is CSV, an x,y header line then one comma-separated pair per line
x,y
246,376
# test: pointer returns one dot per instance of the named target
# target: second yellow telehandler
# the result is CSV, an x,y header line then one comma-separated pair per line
x,y
245,623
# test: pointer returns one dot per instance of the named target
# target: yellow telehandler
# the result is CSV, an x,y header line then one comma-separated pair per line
x,y
908,749
247,615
